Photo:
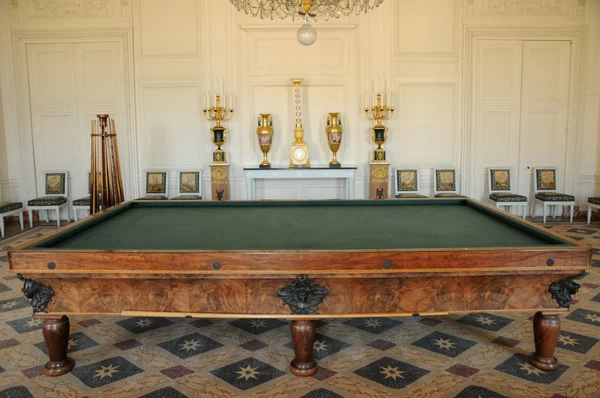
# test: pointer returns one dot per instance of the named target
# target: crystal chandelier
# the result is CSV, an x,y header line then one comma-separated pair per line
x,y
315,9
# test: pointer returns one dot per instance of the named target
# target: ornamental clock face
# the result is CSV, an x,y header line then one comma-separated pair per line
x,y
299,154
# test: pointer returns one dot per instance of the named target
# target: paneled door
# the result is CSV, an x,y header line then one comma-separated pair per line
x,y
520,109
69,84
544,110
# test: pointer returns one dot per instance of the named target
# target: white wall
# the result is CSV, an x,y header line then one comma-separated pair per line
x,y
172,50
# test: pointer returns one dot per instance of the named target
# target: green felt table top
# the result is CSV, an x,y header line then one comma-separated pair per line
x,y
314,225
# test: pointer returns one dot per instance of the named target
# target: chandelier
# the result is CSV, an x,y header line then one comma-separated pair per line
x,y
315,9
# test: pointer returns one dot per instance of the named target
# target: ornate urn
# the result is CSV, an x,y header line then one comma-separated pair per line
x,y
265,132
334,132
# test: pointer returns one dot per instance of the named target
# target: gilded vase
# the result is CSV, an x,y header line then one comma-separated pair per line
x,y
334,132
265,132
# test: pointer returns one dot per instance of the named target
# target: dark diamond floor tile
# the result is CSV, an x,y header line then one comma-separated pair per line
x,y
321,393
585,316
596,298
444,344
9,343
33,372
200,323
485,321
14,304
596,263
257,326
324,346
594,365
167,392
430,321
190,345
254,345
462,370
518,365
142,325
4,288
506,341
176,372
89,322
2,370
381,345
590,285
478,392
575,342
323,374
16,392
597,252
128,344
577,238
77,342
373,325
319,323
25,325
247,373
105,372
391,373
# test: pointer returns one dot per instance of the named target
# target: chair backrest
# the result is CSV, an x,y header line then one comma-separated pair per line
x,y
56,183
444,180
544,179
499,179
156,183
189,182
407,181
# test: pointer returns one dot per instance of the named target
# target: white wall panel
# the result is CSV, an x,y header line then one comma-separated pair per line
x,y
171,132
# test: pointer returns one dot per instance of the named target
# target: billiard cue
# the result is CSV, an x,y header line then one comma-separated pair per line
x,y
120,197
94,188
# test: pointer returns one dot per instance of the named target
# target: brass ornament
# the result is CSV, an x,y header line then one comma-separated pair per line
x,y
265,132
379,113
299,149
218,113
334,132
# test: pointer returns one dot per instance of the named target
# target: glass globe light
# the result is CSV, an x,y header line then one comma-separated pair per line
x,y
306,35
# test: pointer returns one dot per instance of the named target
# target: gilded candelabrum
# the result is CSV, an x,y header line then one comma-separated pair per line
x,y
218,113
265,132
379,112
334,132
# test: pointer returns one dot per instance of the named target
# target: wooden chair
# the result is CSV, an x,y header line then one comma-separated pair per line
x,y
545,192
156,183
189,185
83,203
445,184
56,191
499,187
407,183
10,209
593,203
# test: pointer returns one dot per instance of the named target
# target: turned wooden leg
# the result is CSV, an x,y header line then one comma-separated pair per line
x,y
545,330
303,336
56,335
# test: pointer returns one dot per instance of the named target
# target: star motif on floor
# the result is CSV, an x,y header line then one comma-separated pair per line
x,y
258,324
589,317
190,345
106,371
34,322
444,343
484,320
247,373
72,342
143,323
526,367
567,340
391,372
372,323
320,346
8,305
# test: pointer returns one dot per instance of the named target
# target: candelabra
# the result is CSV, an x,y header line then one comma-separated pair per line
x,y
218,113
378,112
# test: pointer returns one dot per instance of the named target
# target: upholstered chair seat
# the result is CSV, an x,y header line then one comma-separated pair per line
x,y
187,197
595,201
5,207
507,197
82,202
410,196
47,201
449,195
554,197
10,209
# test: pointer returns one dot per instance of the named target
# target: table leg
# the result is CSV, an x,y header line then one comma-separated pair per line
x,y
303,336
56,335
545,330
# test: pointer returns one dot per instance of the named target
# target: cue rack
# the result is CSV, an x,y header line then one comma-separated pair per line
x,y
106,182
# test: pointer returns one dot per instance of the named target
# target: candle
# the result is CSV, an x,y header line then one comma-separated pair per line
x,y
230,100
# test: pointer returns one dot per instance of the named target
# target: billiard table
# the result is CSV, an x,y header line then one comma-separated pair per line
x,y
299,260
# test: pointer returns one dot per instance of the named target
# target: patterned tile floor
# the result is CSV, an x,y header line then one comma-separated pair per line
x,y
476,355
